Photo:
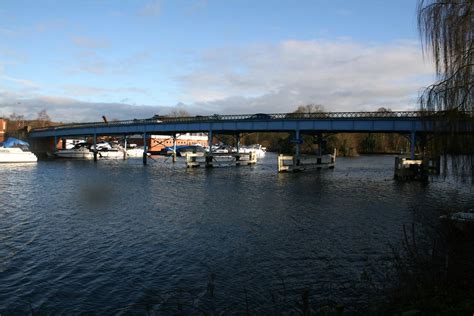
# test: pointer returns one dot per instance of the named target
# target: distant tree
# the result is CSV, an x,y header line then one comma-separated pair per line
x,y
43,118
310,108
179,113
16,121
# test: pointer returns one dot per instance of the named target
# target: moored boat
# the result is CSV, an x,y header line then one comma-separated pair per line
x,y
79,151
257,149
15,150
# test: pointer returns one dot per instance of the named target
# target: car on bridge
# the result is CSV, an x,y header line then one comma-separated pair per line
x,y
260,116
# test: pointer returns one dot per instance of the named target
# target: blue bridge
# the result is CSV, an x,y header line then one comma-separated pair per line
x,y
406,122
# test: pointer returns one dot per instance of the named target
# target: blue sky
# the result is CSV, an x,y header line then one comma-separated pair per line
x,y
81,59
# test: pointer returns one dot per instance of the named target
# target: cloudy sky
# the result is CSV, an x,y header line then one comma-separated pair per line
x,y
127,59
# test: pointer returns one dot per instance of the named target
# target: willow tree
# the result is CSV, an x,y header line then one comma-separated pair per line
x,y
447,31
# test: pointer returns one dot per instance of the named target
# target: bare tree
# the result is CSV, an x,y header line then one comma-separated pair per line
x,y
43,118
310,108
179,113
18,120
447,31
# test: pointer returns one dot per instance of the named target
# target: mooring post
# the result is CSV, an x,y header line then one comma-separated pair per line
x,y
174,147
95,147
144,148
125,147
297,148
412,145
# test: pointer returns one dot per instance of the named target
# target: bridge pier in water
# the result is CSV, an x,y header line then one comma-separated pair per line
x,y
144,149
174,148
95,147
209,156
298,162
125,147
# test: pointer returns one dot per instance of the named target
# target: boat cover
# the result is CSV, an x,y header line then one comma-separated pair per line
x,y
13,142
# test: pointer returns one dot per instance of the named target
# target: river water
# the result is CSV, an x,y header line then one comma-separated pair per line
x,y
120,237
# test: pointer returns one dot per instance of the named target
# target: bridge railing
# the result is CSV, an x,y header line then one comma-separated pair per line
x,y
260,117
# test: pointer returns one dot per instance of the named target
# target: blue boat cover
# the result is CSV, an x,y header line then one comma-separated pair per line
x,y
12,142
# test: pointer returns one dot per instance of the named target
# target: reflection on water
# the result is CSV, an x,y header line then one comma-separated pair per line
x,y
115,236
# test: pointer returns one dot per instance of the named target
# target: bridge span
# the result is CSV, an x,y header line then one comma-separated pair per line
x,y
406,122
386,122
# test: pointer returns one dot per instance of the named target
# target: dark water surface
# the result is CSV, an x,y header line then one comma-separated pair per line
x,y
118,237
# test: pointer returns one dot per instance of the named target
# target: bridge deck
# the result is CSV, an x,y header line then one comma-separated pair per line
x,y
397,122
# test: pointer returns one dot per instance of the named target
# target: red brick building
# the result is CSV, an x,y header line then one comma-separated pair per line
x,y
3,129
157,142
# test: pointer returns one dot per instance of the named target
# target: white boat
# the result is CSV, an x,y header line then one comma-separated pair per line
x,y
257,149
135,152
79,151
16,155
110,154
15,150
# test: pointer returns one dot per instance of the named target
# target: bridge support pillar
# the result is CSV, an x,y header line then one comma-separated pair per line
x,y
412,145
174,148
145,148
95,147
209,154
237,145
55,144
297,148
319,141
125,147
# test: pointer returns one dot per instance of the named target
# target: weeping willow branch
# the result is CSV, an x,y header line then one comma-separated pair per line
x,y
447,32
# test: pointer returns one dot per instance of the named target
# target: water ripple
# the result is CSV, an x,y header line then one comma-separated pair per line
x,y
118,237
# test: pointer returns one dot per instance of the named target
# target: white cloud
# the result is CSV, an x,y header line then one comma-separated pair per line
x,y
91,62
81,90
89,42
342,75
24,83
152,8
7,32
71,110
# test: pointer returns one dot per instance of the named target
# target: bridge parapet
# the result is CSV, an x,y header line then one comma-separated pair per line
x,y
391,115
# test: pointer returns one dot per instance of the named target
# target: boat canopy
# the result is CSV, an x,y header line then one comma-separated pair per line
x,y
13,142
